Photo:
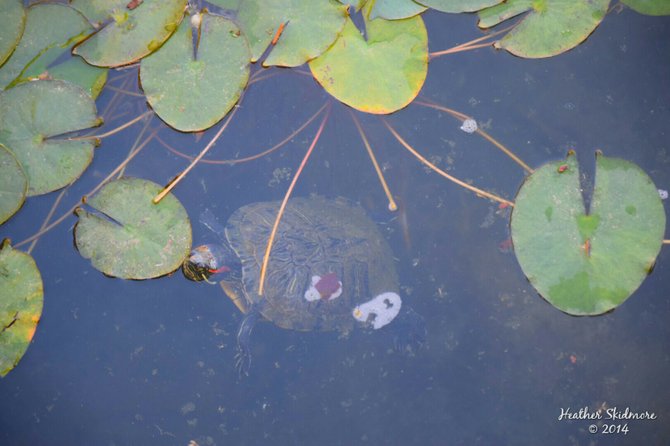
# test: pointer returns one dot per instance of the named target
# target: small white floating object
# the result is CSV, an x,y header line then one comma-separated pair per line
x,y
469,126
195,20
663,194
383,308
326,287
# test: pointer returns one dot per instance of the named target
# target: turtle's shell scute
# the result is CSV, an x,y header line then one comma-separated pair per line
x,y
316,236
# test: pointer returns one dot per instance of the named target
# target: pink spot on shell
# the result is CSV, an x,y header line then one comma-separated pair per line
x,y
327,285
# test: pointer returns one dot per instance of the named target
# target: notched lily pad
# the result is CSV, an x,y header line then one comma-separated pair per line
x,y
380,75
194,93
128,236
587,263
12,22
50,32
550,27
132,33
20,305
13,184
309,28
32,115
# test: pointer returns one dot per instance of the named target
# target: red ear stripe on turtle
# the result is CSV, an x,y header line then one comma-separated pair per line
x,y
223,269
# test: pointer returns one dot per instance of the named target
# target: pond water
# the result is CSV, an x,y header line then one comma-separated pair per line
x,y
118,362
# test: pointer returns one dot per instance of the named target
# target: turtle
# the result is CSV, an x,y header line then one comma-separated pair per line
x,y
330,269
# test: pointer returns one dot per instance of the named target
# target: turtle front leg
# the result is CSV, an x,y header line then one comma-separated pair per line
x,y
243,355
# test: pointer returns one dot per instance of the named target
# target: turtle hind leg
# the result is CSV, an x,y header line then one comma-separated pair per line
x,y
243,355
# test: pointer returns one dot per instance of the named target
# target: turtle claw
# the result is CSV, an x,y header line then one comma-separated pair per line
x,y
242,361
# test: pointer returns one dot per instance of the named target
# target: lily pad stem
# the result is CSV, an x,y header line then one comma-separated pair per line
x,y
113,131
471,45
266,257
392,204
195,161
479,131
232,161
666,242
479,192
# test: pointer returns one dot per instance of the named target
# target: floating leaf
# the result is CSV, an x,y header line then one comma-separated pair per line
x,y
20,305
97,11
13,184
12,22
380,75
395,9
132,33
310,27
356,4
34,112
458,6
75,70
649,7
551,26
587,264
51,29
128,236
193,94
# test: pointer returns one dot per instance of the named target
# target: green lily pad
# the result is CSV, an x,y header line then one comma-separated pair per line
x,y
551,26
457,6
91,79
310,27
132,33
12,22
32,113
649,7
192,94
380,75
587,263
128,236
20,305
97,11
51,29
13,184
395,9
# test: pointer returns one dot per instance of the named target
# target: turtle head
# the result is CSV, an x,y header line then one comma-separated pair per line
x,y
205,261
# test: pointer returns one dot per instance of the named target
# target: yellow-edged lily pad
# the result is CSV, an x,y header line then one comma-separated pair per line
x,y
395,9
132,33
20,305
381,74
649,7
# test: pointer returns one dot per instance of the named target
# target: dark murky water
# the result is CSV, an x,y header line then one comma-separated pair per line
x,y
117,362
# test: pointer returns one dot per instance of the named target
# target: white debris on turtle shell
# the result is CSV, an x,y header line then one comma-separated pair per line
x,y
469,126
383,308
663,194
312,294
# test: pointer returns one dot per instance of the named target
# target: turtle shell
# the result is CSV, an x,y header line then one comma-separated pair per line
x,y
316,236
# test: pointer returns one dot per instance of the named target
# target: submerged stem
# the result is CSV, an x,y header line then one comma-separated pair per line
x,y
480,192
195,161
479,131
392,204
277,146
471,45
266,257
114,131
